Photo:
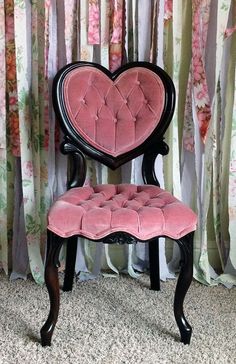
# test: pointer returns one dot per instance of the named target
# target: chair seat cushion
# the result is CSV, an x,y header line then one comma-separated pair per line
x,y
142,211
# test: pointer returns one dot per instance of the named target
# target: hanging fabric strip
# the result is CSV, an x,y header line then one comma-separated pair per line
x,y
127,30
192,143
168,66
116,34
210,143
105,24
131,270
44,195
153,50
172,52
172,58
29,160
232,169
86,50
131,37
3,152
46,89
11,84
227,77
108,259
40,99
117,22
70,7
168,10
201,13
228,278
135,29
20,259
134,18
193,140
93,22
51,63
145,29
2,77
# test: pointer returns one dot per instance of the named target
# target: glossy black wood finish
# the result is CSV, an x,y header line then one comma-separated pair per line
x,y
54,245
154,265
52,283
77,164
149,177
75,146
184,281
70,263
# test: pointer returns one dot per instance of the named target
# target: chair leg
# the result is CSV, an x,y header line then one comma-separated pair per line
x,y
52,284
154,264
184,281
70,263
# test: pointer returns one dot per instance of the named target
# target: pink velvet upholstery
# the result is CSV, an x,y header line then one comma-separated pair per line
x,y
143,211
114,117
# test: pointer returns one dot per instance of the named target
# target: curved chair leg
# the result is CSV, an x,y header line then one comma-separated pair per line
x,y
52,284
154,264
70,263
185,278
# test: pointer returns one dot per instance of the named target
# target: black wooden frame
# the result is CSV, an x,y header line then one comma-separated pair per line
x,y
76,147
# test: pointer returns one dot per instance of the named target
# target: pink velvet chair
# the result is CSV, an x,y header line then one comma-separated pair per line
x,y
113,118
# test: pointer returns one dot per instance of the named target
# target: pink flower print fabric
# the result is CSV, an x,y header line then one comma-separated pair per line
x,y
94,22
201,12
230,31
168,10
116,34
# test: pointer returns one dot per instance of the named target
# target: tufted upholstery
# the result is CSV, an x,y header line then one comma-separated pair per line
x,y
143,211
114,116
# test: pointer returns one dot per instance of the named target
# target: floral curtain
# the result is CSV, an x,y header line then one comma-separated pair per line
x,y
195,41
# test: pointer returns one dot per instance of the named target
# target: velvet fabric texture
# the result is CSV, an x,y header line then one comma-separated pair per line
x,y
114,116
142,211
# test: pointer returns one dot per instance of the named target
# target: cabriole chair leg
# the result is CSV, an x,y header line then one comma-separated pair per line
x,y
184,281
52,284
154,265
70,263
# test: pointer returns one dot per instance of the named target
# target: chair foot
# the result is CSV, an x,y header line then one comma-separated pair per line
x,y
52,284
186,336
155,287
45,338
184,281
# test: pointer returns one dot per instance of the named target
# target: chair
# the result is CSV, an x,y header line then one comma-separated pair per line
x,y
113,118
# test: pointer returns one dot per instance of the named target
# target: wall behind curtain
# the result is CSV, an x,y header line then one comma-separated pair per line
x,y
195,41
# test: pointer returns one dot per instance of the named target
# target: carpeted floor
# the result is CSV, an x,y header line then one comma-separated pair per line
x,y
116,321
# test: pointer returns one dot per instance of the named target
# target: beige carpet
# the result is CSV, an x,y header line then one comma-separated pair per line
x,y
116,321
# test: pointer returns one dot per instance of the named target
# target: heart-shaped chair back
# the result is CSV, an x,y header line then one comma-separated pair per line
x,y
114,114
